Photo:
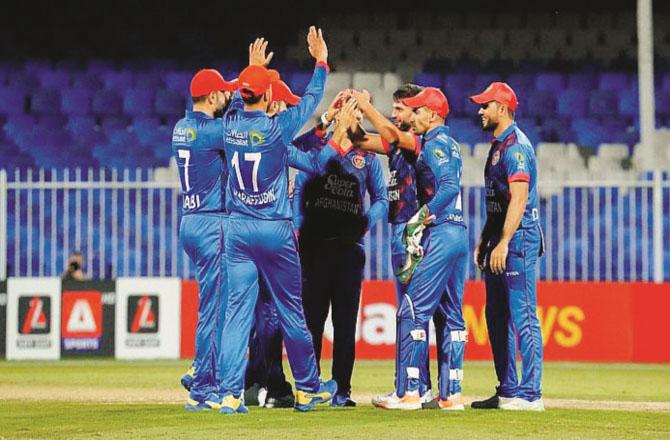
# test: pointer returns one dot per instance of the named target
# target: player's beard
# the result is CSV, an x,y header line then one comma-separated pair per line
x,y
404,126
489,125
218,113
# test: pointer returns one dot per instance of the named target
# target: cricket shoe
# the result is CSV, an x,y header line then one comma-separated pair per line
x,y
342,400
452,403
490,403
213,400
519,404
428,401
195,406
287,401
255,395
410,401
233,405
306,401
187,378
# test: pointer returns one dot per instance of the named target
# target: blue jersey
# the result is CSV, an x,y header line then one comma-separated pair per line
x,y
331,204
197,145
257,154
511,159
438,176
402,183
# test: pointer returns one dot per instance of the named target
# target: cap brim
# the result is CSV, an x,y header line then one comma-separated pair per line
x,y
292,100
482,98
412,102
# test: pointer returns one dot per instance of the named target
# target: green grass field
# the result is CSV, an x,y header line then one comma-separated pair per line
x,y
112,399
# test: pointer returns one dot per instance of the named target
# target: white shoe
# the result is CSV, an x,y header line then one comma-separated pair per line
x,y
262,396
453,403
519,404
427,396
409,401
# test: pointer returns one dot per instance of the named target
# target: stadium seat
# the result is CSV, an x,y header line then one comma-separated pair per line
x,y
107,103
589,132
117,80
46,101
539,103
298,81
138,102
629,104
663,102
428,79
169,103
581,81
54,79
603,103
76,101
179,81
572,103
12,100
614,81
550,81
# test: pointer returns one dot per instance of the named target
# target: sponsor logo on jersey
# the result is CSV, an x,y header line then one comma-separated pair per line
x,y
181,134
142,314
191,134
34,315
256,138
358,161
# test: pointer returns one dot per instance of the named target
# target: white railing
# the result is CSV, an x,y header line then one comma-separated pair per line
x,y
126,224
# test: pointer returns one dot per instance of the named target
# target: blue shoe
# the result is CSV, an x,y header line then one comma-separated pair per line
x,y
187,378
195,406
306,401
233,405
341,400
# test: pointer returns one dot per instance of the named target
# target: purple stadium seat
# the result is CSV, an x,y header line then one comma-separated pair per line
x,y
55,79
614,81
12,100
663,102
115,122
98,67
86,81
428,79
178,81
629,103
483,81
572,103
23,80
84,130
539,103
17,124
521,83
107,103
665,82
557,129
464,82
550,81
76,101
53,122
45,102
149,80
169,102
459,104
117,80
603,103
581,81
138,102
145,129
466,131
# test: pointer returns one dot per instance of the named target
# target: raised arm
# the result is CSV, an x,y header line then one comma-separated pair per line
x,y
294,118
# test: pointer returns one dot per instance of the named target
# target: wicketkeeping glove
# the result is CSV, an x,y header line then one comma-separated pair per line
x,y
412,241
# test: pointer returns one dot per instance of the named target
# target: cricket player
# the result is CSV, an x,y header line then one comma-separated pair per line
x,y
437,233
507,252
265,381
402,147
260,239
197,144
330,214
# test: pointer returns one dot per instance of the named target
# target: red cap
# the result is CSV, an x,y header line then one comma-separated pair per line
x,y
282,92
499,92
207,81
430,97
256,79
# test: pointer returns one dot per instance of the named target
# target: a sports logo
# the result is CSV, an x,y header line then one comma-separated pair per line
x,y
358,161
143,314
82,314
256,138
191,134
34,315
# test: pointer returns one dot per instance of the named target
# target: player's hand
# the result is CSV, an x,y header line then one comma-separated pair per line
x,y
498,259
347,115
317,45
336,104
257,55
363,99
479,255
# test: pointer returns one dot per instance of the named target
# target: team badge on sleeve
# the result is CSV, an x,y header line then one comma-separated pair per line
x,y
358,161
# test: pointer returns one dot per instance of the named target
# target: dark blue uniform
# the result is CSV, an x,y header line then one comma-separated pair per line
x,y
330,215
511,302
438,282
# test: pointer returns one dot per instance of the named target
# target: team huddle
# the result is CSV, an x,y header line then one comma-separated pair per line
x,y
274,256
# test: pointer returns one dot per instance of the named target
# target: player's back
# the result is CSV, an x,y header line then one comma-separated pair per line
x,y
197,145
257,161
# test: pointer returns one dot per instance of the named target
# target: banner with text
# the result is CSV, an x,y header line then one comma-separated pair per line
x,y
33,318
